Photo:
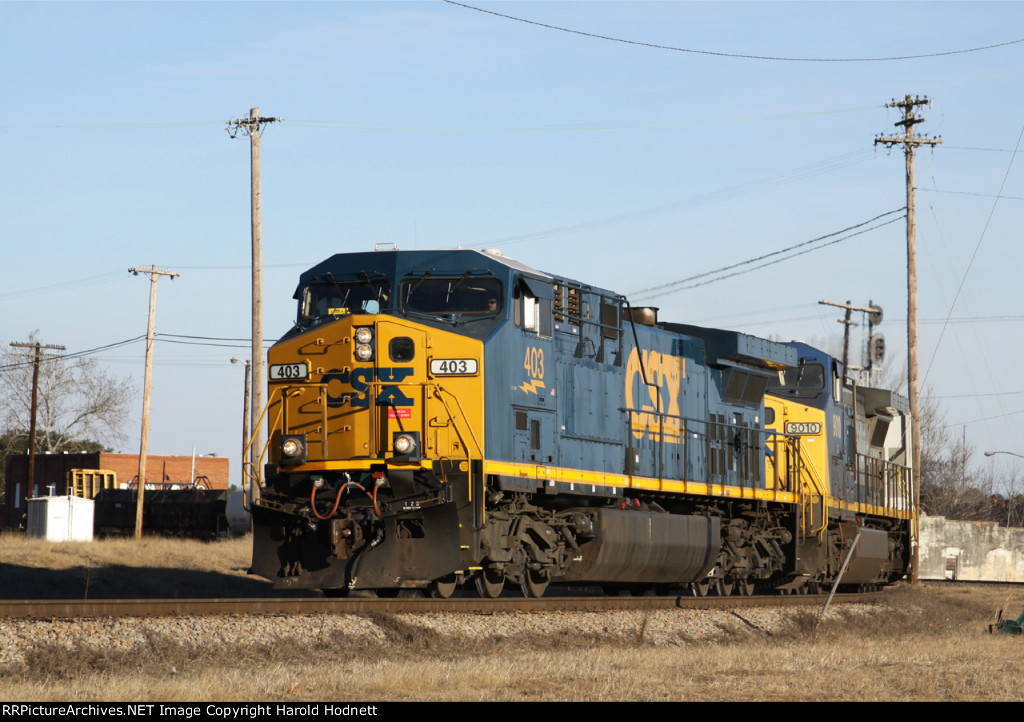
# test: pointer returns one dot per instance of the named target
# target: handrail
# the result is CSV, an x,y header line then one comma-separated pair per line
x,y
806,462
249,472
438,389
875,474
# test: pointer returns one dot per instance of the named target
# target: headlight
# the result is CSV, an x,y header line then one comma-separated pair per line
x,y
364,352
404,444
364,335
293,449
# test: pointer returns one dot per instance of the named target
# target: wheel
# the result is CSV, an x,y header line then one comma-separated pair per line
x,y
813,588
489,583
701,588
534,583
724,587
444,587
641,590
363,593
745,587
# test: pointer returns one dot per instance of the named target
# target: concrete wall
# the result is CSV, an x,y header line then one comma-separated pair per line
x,y
972,550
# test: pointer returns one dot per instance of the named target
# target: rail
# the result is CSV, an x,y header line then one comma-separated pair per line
x,y
120,608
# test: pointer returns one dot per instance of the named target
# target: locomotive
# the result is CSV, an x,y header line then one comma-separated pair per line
x,y
454,417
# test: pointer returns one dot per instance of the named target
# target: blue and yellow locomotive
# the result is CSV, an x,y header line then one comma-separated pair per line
x,y
439,418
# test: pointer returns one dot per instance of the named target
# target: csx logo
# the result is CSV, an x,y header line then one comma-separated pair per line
x,y
666,373
360,380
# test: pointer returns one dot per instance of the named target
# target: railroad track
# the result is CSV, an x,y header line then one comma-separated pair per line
x,y
86,609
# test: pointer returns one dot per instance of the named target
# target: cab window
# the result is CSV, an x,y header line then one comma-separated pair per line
x,y
805,379
323,300
444,296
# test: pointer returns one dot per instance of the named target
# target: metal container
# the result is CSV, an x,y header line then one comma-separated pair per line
x,y
239,518
60,518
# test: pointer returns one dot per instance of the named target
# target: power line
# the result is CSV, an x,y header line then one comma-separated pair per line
x,y
789,176
987,418
101,279
77,354
991,150
730,55
671,287
205,338
975,396
974,255
585,127
965,193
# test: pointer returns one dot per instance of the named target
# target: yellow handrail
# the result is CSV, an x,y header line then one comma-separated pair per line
x,y
806,472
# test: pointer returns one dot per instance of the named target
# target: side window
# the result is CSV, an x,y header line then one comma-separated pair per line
x,y
533,300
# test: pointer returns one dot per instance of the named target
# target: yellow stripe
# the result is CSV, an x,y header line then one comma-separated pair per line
x,y
582,477
642,483
872,509
353,465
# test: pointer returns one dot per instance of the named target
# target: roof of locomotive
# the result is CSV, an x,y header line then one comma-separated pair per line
x,y
723,344
439,261
720,344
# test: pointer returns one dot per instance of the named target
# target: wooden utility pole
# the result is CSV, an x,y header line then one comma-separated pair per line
x,y
245,415
251,126
37,357
873,311
154,274
910,143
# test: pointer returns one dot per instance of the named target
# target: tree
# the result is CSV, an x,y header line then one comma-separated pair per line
x,y
80,406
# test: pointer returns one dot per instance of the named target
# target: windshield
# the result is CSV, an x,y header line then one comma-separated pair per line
x,y
443,296
809,378
324,300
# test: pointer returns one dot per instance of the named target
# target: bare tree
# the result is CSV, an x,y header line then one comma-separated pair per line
x,y
78,402
950,485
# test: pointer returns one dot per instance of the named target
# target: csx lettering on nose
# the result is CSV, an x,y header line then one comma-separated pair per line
x,y
359,380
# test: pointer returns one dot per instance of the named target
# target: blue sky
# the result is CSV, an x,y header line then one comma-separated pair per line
x,y
427,124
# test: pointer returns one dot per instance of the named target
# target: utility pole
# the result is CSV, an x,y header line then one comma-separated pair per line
x,y
874,315
910,143
154,274
251,126
245,415
37,357
846,330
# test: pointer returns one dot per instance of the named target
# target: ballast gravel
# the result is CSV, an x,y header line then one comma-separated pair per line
x,y
658,627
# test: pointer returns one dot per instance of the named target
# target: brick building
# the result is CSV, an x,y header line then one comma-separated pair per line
x,y
57,471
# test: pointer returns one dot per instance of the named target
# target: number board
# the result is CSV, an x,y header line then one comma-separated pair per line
x,y
452,366
289,372
803,427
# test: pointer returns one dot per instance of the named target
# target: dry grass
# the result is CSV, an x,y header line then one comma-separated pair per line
x,y
923,643
155,567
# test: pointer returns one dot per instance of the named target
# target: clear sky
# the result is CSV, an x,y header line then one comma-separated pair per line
x,y
428,124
